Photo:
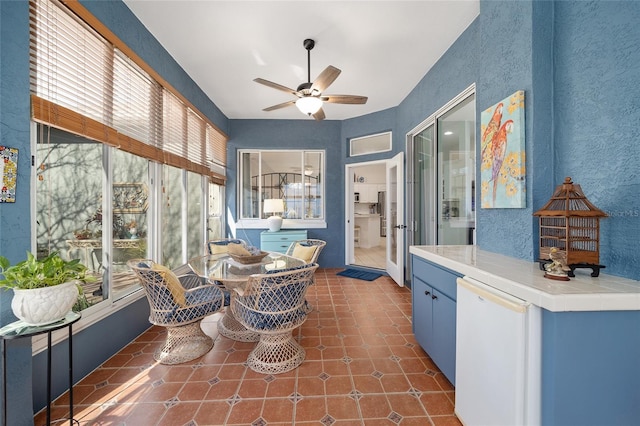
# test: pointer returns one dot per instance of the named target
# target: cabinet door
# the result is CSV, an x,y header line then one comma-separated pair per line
x,y
444,334
423,315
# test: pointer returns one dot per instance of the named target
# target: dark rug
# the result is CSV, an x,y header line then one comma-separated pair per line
x,y
360,275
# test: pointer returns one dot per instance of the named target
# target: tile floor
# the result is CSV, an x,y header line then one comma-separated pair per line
x,y
363,367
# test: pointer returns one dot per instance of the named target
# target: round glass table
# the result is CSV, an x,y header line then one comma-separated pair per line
x,y
234,275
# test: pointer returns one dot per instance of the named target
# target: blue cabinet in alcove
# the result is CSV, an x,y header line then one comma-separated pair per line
x,y
434,313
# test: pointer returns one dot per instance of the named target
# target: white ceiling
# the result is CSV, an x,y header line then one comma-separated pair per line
x,y
383,48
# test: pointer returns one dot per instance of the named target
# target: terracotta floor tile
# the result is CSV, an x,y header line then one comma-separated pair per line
x,y
361,362
367,384
374,406
311,409
244,412
406,405
194,391
212,413
436,403
338,385
342,407
176,414
278,411
310,386
395,383
281,387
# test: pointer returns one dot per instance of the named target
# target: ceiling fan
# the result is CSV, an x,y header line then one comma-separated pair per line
x,y
310,97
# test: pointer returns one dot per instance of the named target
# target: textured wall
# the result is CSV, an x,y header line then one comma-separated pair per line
x,y
597,118
15,226
505,66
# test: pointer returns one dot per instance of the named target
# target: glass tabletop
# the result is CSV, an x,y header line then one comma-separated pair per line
x,y
223,268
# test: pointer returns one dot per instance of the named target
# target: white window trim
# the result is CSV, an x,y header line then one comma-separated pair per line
x,y
254,223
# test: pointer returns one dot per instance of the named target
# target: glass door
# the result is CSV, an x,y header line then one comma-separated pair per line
x,y
395,218
456,174
442,177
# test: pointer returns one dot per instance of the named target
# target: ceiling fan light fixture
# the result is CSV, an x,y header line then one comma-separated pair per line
x,y
309,105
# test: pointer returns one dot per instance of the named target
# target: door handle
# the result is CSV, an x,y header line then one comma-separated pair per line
x,y
400,226
434,297
426,293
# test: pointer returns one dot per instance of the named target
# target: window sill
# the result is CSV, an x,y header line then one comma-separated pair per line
x,y
286,224
90,316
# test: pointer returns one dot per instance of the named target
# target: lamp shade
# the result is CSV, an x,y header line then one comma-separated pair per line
x,y
309,105
273,205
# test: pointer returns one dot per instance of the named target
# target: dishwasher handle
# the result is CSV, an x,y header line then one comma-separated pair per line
x,y
493,295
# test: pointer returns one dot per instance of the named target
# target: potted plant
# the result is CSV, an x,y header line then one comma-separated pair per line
x,y
46,289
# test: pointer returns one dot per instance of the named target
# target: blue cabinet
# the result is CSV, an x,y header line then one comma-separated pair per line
x,y
434,313
280,241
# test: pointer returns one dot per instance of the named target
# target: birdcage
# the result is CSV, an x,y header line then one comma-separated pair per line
x,y
570,223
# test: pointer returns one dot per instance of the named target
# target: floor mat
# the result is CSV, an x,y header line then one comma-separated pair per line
x,y
360,275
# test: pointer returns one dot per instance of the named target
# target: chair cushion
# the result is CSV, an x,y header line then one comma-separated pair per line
x,y
176,289
303,252
222,246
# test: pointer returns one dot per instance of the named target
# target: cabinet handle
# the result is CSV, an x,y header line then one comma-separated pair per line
x,y
434,297
426,293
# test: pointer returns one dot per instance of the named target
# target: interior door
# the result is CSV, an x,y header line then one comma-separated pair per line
x,y
395,218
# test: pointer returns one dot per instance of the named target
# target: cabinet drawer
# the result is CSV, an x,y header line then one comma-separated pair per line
x,y
442,279
281,240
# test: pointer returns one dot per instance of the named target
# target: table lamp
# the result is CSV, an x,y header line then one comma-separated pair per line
x,y
275,206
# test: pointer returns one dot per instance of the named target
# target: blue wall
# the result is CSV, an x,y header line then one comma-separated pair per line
x,y
597,118
577,61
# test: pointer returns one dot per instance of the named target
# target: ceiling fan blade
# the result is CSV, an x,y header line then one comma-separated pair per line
x,y
319,115
282,105
344,99
326,77
276,86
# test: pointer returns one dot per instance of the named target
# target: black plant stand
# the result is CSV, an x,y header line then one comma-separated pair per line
x,y
20,329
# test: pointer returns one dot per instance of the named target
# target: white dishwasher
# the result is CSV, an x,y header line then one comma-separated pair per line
x,y
498,351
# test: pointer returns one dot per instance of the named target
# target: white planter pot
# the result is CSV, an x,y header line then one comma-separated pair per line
x,y
40,306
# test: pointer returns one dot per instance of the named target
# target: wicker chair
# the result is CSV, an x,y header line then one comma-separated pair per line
x,y
178,303
228,326
307,250
273,306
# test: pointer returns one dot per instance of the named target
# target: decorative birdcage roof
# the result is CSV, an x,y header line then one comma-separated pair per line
x,y
569,200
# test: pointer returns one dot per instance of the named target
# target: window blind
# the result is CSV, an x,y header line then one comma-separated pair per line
x,y
81,82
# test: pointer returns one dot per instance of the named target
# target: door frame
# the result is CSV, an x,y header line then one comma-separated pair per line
x,y
349,209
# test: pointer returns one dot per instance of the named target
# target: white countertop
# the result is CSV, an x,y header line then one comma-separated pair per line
x,y
366,215
526,281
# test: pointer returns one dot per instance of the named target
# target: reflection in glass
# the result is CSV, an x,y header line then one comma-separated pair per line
x,y
172,217
69,202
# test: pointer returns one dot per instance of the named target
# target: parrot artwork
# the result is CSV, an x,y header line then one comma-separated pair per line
x,y
492,127
498,150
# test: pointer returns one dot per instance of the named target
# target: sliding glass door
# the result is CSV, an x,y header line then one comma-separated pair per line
x,y
442,177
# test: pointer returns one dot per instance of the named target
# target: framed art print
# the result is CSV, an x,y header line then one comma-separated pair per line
x,y
502,171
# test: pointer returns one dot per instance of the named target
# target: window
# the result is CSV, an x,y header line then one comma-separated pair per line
x,y
370,144
296,177
107,125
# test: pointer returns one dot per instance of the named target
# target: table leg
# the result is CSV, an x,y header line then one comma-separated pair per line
x,y
230,327
70,376
49,378
4,383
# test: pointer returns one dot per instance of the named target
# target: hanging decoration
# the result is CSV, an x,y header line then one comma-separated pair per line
x,y
9,173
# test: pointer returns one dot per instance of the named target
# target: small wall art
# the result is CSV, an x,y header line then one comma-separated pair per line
x,y
502,170
9,173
